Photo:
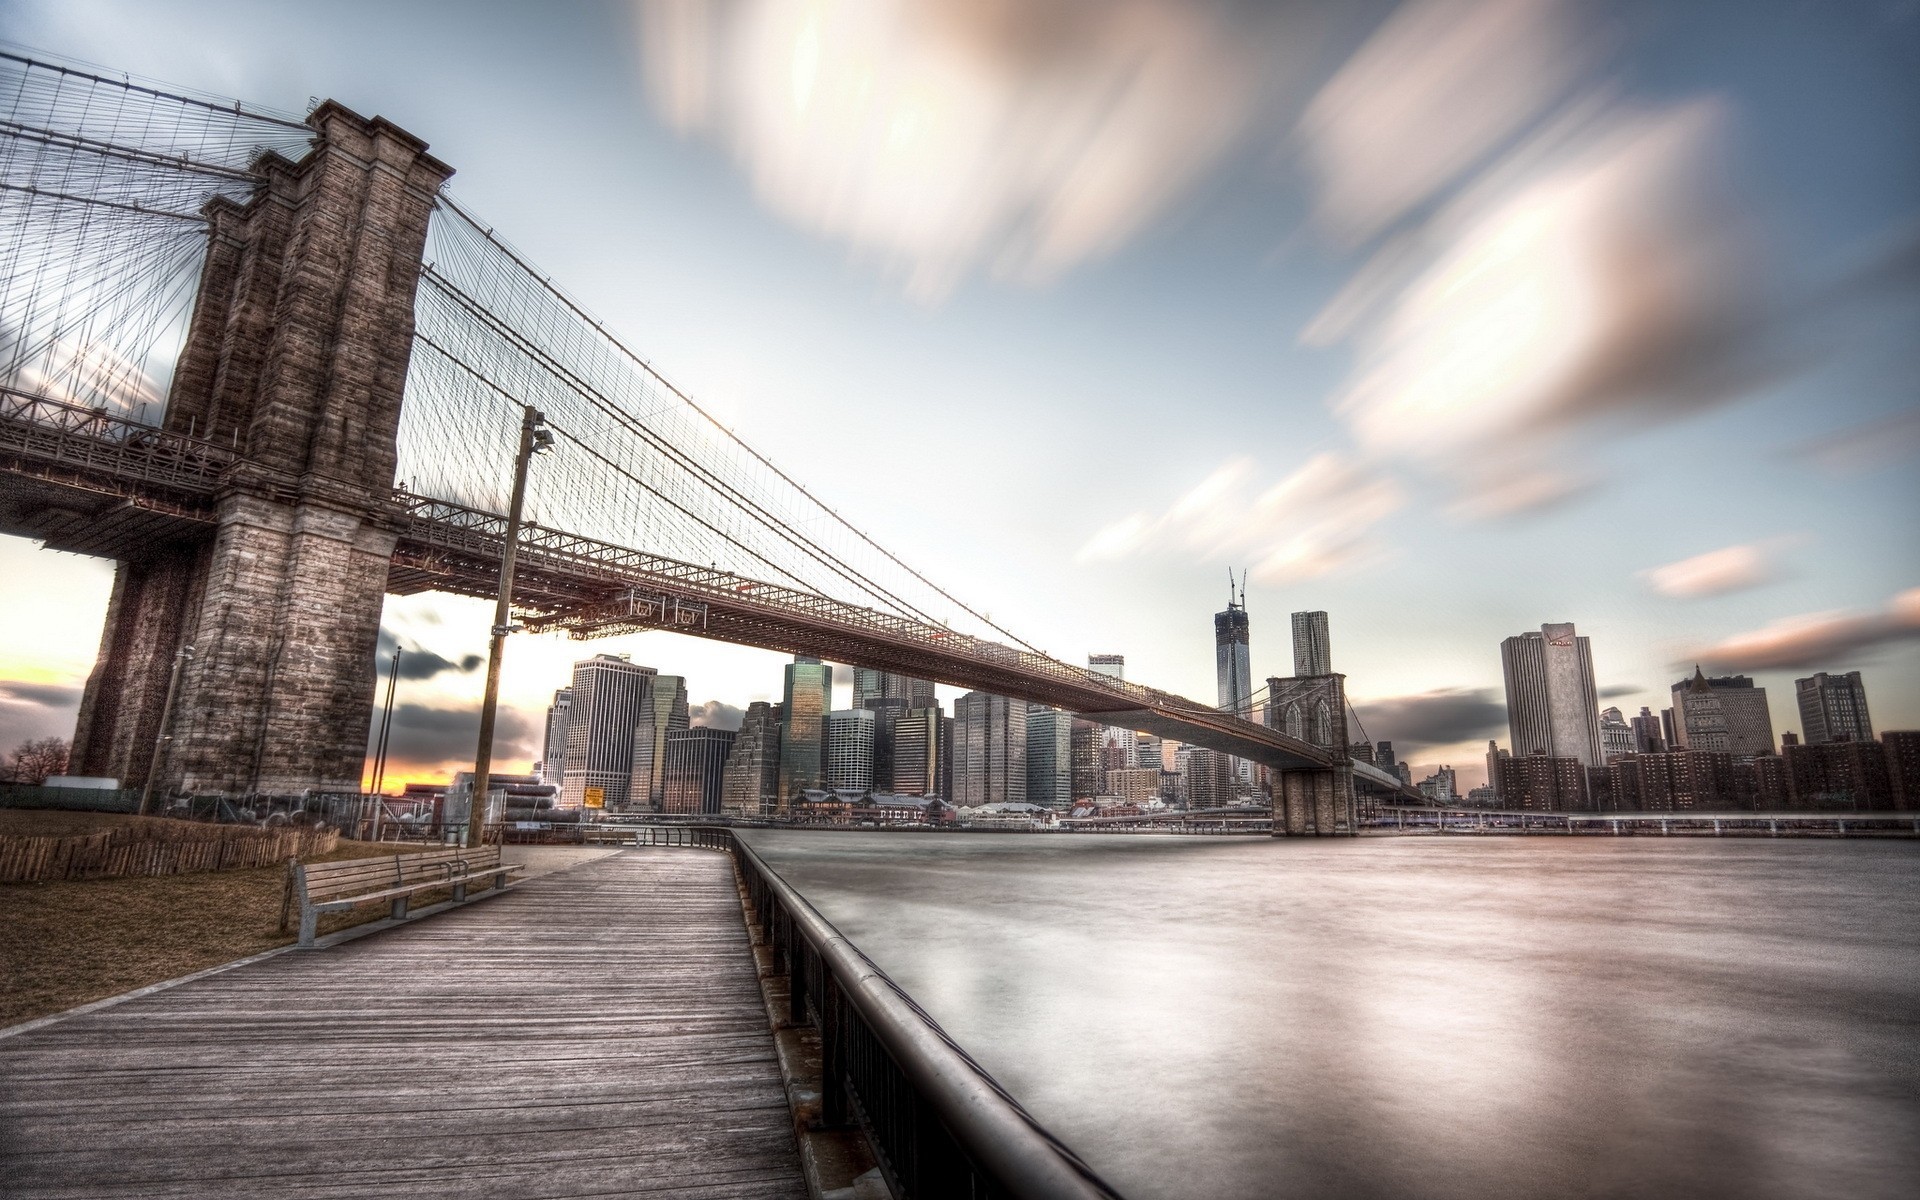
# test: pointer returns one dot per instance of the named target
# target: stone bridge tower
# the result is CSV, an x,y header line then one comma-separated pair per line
x,y
297,358
1312,708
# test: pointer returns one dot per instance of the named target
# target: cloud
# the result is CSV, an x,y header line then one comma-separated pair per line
x,y
419,664
430,736
1435,88
1865,447
44,695
1437,718
945,137
1317,521
1617,285
1614,691
1729,569
716,714
1815,640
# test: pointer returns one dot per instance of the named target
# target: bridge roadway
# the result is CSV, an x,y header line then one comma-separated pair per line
x,y
90,483
592,1032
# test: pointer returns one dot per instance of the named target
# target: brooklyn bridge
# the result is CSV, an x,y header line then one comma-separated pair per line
x,y
275,371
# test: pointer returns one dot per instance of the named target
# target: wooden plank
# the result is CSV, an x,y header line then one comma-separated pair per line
x,y
595,1031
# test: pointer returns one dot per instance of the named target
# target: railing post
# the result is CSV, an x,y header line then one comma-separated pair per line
x,y
833,1056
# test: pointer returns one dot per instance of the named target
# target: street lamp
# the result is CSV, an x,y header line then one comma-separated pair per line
x,y
535,438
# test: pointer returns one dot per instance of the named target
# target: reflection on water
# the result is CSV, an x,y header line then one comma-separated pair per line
x,y
1417,1017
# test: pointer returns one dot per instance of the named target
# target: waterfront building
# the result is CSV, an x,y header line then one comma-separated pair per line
x,y
553,749
870,685
750,786
1312,654
945,745
1833,708
917,745
887,711
990,750
1113,666
1903,768
663,711
1616,736
1648,737
1439,787
1839,776
1049,757
804,703
850,750
1136,785
1087,773
1761,783
1383,756
1553,707
608,695
1543,782
1725,713
1148,751
1494,755
696,765
1676,781
1210,778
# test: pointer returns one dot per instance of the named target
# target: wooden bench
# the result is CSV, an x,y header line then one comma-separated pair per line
x,y
338,886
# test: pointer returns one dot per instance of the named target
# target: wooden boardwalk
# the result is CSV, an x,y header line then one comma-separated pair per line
x,y
597,1032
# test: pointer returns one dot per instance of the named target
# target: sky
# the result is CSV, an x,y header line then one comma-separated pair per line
x,y
1449,317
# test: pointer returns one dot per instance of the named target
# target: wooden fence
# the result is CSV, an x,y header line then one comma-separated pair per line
x,y
116,855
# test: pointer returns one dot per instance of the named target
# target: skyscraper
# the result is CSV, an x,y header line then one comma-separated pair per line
x,y
1553,707
870,685
803,727
750,786
1833,708
1312,654
1086,741
917,739
609,693
1233,669
1648,734
695,773
1050,757
553,751
1725,713
990,749
1113,666
662,711
850,750
1616,736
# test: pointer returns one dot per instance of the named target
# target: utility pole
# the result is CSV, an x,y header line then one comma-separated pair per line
x,y
386,725
161,738
534,439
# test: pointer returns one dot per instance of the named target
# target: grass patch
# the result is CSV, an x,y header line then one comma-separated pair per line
x,y
65,944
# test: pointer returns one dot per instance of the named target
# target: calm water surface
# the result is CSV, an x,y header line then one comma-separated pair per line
x,y
1418,1017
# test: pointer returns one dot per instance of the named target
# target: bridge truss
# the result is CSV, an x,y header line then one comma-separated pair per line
x,y
102,188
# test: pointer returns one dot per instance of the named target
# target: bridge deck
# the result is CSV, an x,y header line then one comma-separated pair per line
x,y
596,1032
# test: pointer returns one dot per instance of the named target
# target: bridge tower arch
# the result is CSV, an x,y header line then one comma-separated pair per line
x,y
296,357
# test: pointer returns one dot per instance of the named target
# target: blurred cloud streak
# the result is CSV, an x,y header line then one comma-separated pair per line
x,y
1317,521
946,137
1715,573
1815,640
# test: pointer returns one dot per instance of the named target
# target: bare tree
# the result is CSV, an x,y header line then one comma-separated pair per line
x,y
32,761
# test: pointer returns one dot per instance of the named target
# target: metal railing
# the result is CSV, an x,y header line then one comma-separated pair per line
x,y
939,1124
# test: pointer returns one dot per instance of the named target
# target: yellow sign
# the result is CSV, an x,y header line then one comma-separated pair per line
x,y
596,797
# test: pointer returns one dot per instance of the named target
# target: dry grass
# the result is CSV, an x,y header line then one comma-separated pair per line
x,y
64,944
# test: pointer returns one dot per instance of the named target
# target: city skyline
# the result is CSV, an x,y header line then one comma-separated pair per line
x,y
1794,561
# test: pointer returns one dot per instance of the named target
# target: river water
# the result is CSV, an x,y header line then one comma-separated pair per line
x,y
1418,1016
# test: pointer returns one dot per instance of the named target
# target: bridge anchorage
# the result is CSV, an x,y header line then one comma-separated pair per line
x,y
259,323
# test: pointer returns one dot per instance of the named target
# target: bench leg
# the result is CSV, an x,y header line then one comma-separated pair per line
x,y
309,924
459,892
399,909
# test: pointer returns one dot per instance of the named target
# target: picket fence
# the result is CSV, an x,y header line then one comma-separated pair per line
x,y
113,855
